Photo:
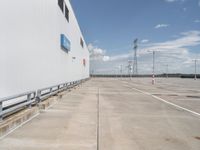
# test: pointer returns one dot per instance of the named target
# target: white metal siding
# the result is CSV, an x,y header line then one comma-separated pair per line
x,y
30,53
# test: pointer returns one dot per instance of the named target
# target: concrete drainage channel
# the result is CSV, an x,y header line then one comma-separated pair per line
x,y
19,109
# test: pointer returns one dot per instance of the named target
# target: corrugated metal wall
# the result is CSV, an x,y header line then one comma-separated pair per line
x,y
30,53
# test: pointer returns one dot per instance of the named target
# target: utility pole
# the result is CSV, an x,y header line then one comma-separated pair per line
x,y
195,72
167,70
135,63
153,75
153,72
130,68
121,71
92,73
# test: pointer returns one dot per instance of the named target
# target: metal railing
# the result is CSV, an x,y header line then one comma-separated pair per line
x,y
13,104
45,93
21,101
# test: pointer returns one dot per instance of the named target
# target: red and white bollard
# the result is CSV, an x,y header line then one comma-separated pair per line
x,y
153,79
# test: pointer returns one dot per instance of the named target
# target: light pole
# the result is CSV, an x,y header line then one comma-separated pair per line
x,y
153,71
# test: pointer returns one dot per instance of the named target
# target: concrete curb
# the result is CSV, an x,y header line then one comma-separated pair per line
x,y
14,121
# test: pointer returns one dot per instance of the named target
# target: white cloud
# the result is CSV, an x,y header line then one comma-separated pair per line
x,y
97,53
145,41
184,9
106,58
120,57
191,38
197,21
170,1
161,26
176,53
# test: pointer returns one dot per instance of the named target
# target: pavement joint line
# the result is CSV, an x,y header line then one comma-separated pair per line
x,y
98,121
11,131
165,101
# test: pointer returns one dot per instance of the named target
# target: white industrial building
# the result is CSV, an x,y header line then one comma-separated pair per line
x,y
41,45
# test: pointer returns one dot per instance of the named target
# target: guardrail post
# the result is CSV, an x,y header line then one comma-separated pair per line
x,y
1,109
51,90
58,88
38,96
29,99
66,86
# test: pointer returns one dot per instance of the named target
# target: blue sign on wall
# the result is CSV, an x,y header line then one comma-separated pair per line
x,y
65,43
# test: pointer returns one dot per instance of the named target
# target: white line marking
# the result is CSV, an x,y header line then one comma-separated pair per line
x,y
165,101
2,137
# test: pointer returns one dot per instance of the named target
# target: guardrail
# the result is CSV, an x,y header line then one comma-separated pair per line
x,y
21,101
45,93
13,104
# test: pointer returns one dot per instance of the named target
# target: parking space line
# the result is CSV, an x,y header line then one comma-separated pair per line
x,y
167,102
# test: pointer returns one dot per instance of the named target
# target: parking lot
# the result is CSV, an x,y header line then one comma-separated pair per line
x,y
117,114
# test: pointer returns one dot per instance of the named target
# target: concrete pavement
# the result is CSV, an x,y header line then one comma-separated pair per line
x,y
108,114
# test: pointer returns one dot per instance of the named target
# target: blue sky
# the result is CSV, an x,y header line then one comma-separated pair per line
x,y
171,27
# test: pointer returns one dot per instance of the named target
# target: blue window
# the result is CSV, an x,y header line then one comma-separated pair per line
x,y
65,43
